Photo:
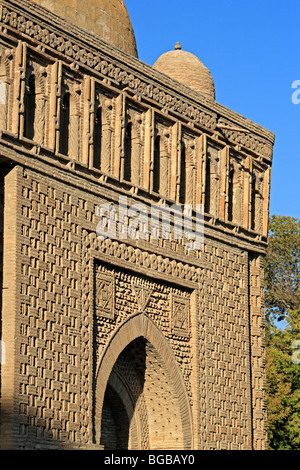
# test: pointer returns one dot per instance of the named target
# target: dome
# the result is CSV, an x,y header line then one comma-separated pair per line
x,y
187,69
109,19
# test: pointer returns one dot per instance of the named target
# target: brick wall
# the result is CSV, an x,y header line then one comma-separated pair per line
x,y
227,349
53,397
75,293
257,350
75,307
49,316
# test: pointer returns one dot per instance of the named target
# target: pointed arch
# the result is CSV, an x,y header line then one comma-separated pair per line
x,y
141,326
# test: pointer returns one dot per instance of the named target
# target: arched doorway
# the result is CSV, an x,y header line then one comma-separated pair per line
x,y
143,404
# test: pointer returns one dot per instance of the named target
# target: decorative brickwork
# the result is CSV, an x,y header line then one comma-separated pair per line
x,y
124,342
50,306
257,330
227,346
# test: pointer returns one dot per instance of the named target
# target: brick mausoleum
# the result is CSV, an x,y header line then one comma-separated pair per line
x,y
124,343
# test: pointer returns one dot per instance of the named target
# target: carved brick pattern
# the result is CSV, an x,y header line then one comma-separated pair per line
x,y
6,88
180,315
104,295
50,323
87,286
158,387
78,138
139,259
227,350
246,140
57,307
74,291
200,345
42,90
163,159
52,300
130,366
142,294
256,302
125,78
158,306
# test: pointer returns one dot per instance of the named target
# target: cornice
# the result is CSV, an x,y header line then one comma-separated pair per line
x,y
85,50
74,174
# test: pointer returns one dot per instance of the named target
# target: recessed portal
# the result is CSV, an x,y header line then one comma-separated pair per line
x,y
141,409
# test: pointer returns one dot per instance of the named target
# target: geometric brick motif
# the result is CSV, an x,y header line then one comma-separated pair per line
x,y
179,315
67,293
119,293
49,398
142,295
104,295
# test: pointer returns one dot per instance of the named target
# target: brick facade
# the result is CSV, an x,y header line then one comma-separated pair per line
x,y
125,343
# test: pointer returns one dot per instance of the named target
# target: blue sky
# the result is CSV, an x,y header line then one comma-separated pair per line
x,y
252,48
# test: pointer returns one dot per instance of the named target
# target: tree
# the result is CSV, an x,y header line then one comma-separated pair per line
x,y
282,305
282,269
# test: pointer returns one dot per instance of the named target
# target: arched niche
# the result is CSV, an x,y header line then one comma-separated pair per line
x,y
139,377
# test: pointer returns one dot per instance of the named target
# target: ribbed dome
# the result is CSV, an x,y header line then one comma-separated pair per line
x,y
187,69
109,19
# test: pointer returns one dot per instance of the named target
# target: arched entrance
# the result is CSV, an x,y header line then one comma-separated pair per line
x,y
143,403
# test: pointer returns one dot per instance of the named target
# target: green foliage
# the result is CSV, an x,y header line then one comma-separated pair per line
x,y
282,268
282,302
283,391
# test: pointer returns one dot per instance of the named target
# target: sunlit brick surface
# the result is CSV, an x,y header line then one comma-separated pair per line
x,y
124,342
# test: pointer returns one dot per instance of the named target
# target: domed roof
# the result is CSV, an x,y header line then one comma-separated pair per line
x,y
109,19
187,69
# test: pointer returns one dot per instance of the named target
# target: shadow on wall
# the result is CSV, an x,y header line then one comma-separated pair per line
x,y
141,409
124,416
26,435
2,172
29,428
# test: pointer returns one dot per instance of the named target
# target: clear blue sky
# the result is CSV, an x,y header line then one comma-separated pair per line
x,y
252,48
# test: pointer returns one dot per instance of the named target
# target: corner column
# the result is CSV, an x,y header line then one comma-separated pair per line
x,y
10,306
